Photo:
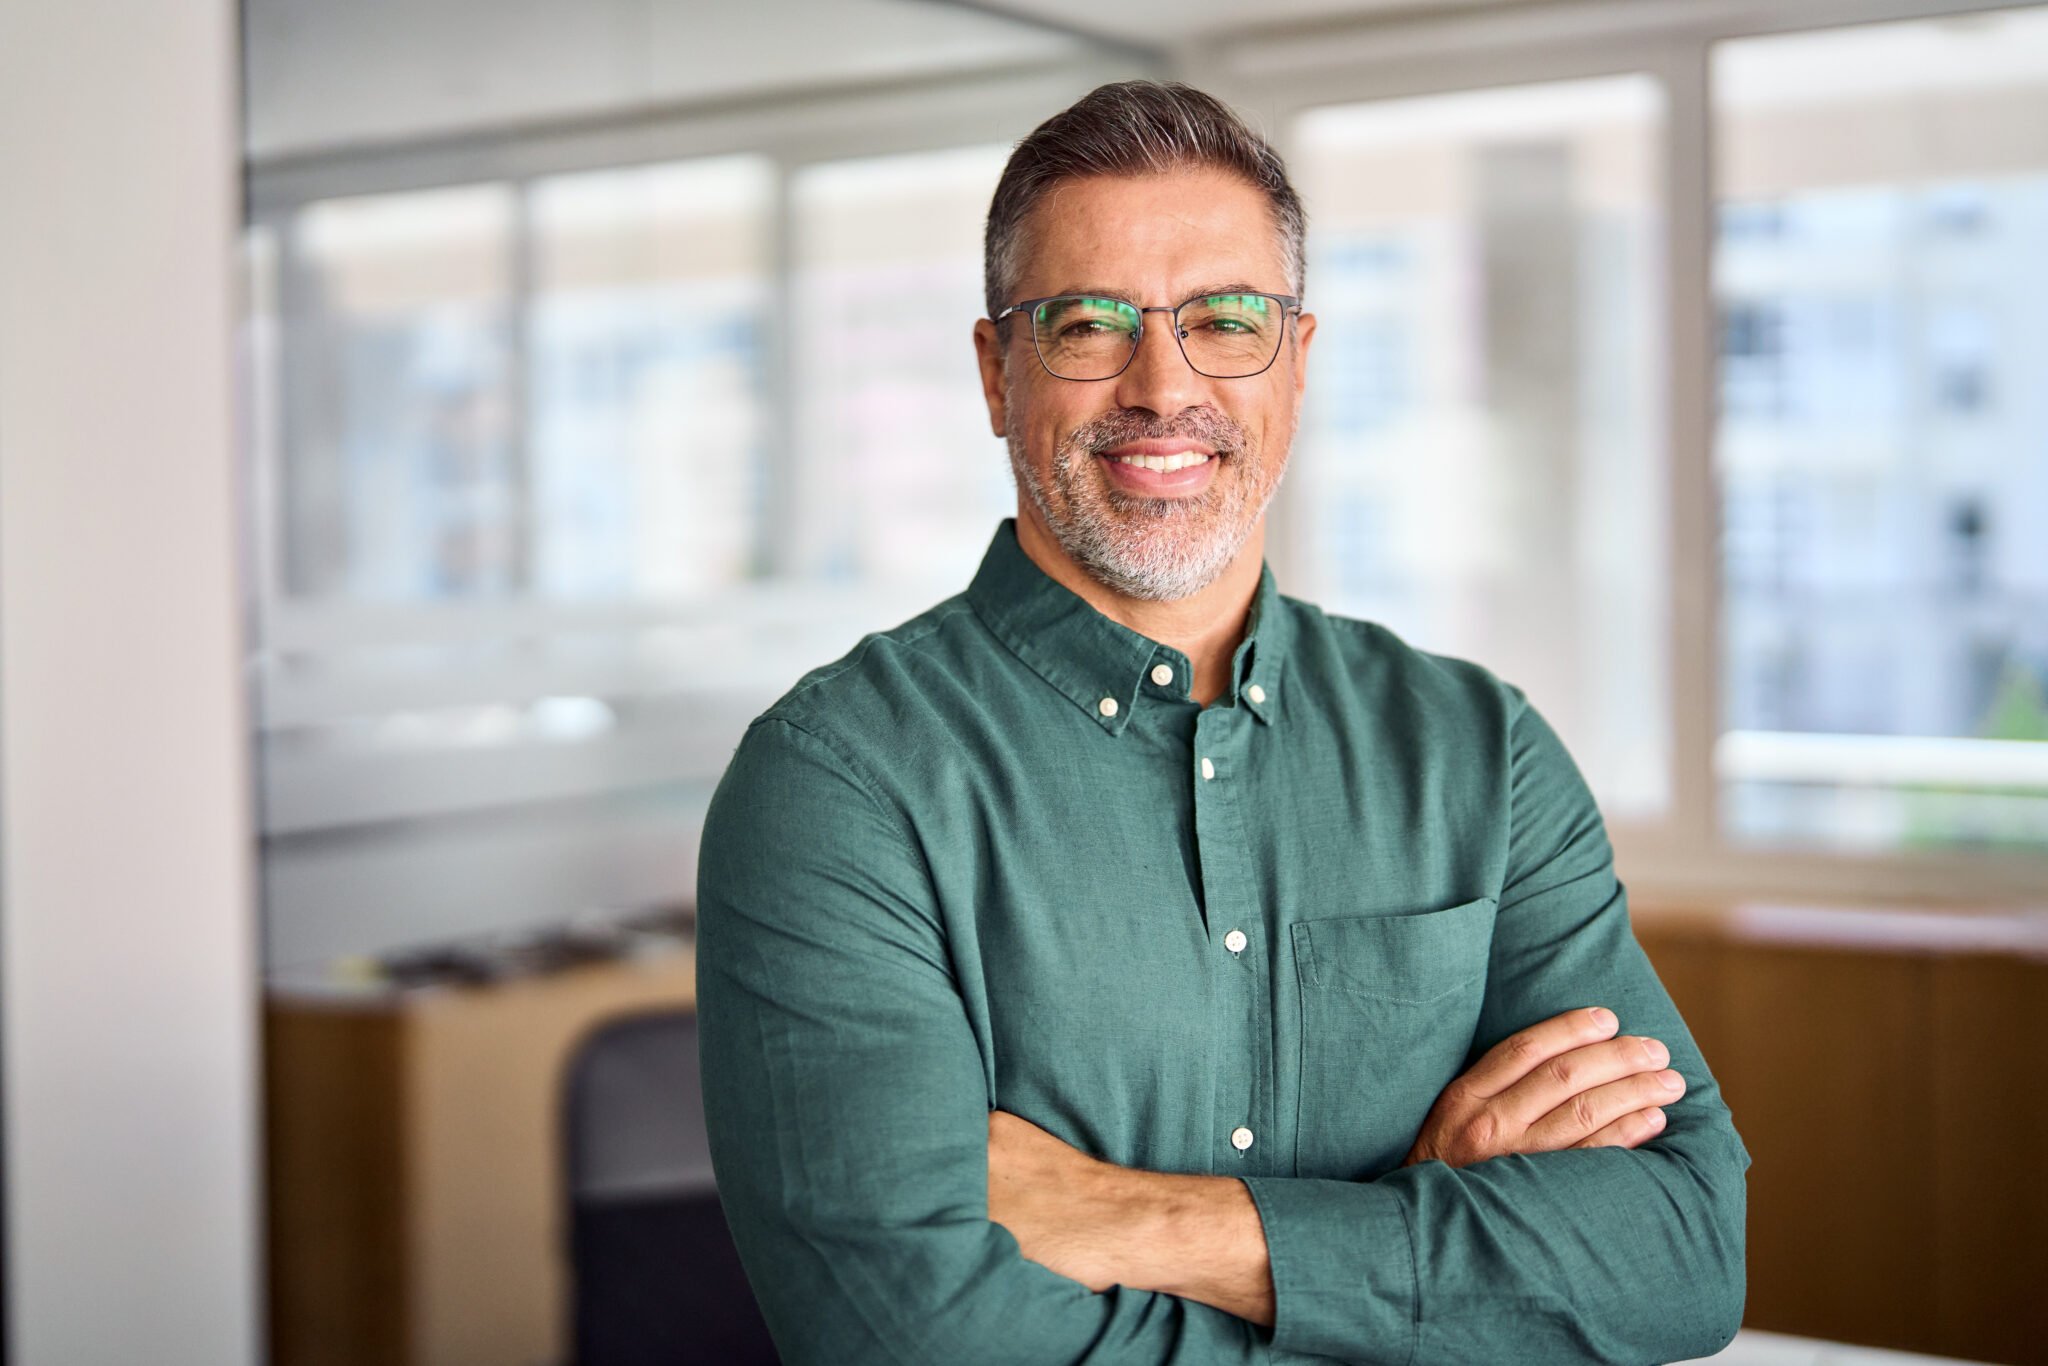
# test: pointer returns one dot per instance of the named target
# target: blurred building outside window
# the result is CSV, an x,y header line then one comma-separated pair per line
x,y
1882,452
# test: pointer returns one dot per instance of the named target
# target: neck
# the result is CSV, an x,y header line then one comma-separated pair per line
x,y
1206,626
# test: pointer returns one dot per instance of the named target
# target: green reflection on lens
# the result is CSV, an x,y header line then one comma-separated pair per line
x,y
1084,337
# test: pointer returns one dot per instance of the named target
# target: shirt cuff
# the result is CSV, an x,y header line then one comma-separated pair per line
x,y
1343,1261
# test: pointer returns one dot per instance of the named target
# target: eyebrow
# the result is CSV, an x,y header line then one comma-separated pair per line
x,y
1109,292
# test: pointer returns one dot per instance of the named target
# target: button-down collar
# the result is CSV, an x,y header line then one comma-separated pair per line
x,y
1102,666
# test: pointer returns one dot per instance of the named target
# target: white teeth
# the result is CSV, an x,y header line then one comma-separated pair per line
x,y
1163,462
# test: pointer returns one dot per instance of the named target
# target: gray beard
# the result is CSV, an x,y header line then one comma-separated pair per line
x,y
1156,549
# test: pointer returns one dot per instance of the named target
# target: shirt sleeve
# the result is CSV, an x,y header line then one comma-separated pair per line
x,y
1623,1255
847,1104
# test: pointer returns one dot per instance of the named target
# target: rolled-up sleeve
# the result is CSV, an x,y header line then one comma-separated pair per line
x,y
847,1102
1582,1255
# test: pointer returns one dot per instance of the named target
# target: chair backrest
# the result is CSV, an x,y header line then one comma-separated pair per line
x,y
654,1275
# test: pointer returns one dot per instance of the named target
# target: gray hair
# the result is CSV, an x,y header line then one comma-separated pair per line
x,y
1133,128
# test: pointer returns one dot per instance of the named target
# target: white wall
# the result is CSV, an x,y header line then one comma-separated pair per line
x,y
125,853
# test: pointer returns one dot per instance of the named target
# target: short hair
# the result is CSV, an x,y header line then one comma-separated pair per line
x,y
1133,128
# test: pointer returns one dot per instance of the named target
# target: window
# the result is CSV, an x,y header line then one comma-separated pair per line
x,y
1480,465
1885,654
649,291
402,481
896,474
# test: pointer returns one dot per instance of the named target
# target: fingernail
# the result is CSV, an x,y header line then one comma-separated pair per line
x,y
1603,1018
1656,1118
1671,1080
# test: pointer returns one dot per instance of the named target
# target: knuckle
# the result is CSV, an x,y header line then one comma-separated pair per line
x,y
1583,1113
1524,1048
1560,1070
1478,1133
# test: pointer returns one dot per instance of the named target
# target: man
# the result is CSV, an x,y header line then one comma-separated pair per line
x,y
1121,962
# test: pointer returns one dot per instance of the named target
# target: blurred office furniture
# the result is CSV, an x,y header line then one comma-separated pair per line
x,y
655,1277
1879,1063
416,1211
1882,1067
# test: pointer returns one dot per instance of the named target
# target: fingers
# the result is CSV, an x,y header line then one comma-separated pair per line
x,y
1521,1052
1590,1110
1632,1129
1555,1080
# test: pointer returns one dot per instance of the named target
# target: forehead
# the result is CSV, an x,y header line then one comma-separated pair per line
x,y
1152,234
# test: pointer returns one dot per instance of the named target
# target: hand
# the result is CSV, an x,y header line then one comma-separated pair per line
x,y
1564,1083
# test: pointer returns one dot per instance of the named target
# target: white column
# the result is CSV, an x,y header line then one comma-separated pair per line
x,y
127,912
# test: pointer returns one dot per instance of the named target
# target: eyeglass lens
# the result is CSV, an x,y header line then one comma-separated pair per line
x,y
1224,336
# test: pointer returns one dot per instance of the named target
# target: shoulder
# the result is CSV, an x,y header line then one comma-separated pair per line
x,y
1383,668
872,685
855,712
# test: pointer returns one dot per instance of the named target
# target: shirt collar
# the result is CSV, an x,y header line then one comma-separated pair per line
x,y
1102,666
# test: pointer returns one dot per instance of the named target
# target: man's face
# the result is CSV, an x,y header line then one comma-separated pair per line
x,y
1150,240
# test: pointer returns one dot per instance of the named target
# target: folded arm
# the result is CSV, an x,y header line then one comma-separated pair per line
x,y
848,1108
1602,1254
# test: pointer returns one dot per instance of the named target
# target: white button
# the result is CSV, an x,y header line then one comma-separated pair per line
x,y
1208,769
1234,941
1162,674
1255,693
1107,706
1240,1138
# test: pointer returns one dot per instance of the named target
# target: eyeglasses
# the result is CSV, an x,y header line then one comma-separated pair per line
x,y
1223,336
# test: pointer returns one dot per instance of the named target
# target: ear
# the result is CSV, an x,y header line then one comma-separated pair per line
x,y
990,356
1304,333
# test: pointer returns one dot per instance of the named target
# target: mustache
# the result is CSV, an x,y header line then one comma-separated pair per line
x,y
1114,428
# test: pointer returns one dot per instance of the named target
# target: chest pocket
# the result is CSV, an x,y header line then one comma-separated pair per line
x,y
1389,1004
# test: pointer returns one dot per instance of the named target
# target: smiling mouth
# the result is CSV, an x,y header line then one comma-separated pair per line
x,y
1180,460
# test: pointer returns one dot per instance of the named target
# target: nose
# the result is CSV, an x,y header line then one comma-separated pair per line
x,y
1159,377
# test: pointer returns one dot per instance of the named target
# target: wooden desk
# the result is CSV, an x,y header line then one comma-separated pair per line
x,y
415,1165
1885,1071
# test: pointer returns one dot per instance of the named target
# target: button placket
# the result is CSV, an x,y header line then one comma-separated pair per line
x,y
1245,1067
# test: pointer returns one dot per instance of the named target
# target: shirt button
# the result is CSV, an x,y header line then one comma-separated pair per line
x,y
1240,1138
1255,693
1107,706
1162,674
1234,941
1208,768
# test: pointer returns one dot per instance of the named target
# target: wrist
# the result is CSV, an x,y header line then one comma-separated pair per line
x,y
1197,1237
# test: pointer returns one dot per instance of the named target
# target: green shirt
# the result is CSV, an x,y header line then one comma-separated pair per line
x,y
997,857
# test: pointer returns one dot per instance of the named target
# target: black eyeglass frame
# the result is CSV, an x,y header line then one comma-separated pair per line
x,y
1289,303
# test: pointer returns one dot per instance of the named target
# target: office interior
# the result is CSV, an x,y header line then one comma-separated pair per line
x,y
430,432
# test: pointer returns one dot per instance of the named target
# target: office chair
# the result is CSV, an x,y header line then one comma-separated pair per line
x,y
655,1279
